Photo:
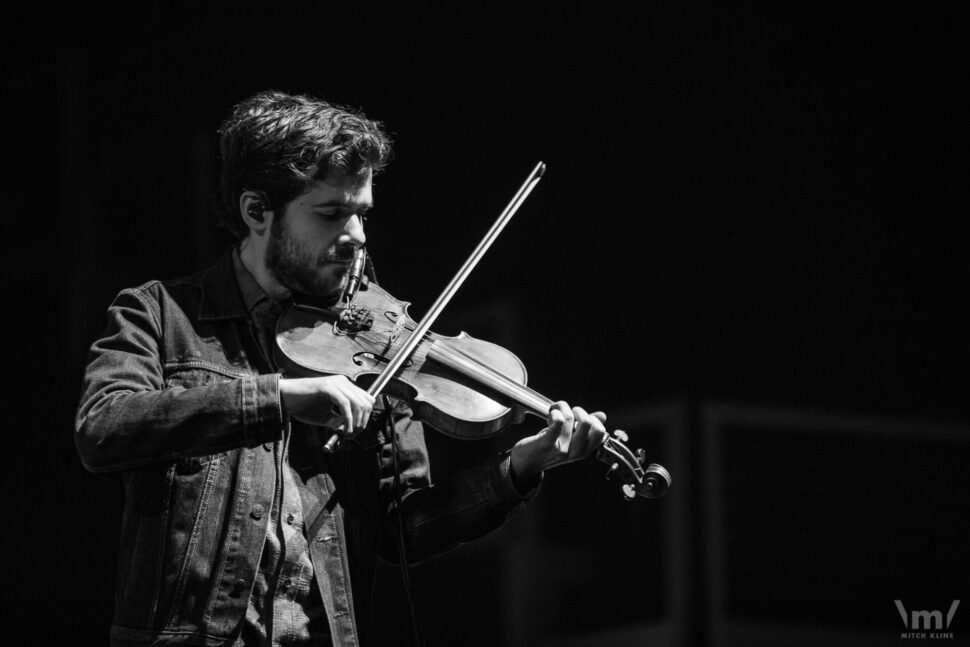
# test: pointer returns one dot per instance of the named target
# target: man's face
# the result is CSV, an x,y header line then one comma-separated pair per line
x,y
314,236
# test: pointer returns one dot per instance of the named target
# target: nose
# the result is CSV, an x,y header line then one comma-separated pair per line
x,y
354,231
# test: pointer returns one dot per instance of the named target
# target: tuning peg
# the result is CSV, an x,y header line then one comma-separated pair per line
x,y
620,435
641,456
629,493
612,469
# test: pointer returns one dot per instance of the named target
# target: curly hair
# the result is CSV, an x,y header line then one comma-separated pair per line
x,y
278,144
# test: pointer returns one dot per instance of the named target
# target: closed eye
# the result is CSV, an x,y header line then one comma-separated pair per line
x,y
340,215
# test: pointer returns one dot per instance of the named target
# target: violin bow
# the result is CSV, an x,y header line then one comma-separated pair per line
x,y
651,481
417,335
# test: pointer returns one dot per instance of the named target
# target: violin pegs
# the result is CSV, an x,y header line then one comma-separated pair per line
x,y
642,456
612,468
629,493
621,435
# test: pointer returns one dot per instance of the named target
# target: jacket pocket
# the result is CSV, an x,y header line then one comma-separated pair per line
x,y
191,374
196,372
198,510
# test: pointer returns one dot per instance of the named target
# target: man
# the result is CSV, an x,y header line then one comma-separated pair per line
x,y
238,529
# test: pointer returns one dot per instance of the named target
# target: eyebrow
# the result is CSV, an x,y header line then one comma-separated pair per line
x,y
341,203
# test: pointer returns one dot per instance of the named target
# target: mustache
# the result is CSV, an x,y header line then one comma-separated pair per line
x,y
341,254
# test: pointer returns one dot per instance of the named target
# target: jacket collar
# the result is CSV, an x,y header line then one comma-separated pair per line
x,y
221,297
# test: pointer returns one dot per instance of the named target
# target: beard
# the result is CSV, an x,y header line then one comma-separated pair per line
x,y
302,270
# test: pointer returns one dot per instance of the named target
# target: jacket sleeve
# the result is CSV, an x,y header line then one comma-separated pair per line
x,y
129,417
442,515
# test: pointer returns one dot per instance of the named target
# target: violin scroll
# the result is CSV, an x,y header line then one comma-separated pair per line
x,y
650,482
655,482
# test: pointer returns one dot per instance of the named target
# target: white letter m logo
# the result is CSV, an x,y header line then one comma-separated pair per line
x,y
932,620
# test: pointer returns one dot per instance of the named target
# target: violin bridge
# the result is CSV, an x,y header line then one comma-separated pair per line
x,y
398,327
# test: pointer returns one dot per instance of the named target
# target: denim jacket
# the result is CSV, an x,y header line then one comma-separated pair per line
x,y
179,400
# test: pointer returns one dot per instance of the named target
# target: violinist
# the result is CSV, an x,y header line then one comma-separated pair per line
x,y
237,528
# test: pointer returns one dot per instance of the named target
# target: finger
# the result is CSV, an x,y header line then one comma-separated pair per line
x,y
346,414
568,417
597,433
353,401
589,433
583,422
365,411
355,407
364,405
555,421
564,432
360,402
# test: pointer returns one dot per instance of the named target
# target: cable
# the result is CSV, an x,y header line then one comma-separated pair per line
x,y
401,548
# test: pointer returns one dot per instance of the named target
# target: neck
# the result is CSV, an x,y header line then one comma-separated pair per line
x,y
252,253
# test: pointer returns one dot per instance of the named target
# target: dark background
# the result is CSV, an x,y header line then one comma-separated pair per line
x,y
763,206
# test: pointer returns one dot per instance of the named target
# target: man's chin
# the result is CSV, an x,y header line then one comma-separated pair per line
x,y
330,289
324,291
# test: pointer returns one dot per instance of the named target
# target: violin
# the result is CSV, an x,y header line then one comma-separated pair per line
x,y
463,387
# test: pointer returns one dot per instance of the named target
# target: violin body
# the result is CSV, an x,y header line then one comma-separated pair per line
x,y
357,340
463,387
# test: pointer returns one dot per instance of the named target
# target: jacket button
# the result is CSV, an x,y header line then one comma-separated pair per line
x,y
257,512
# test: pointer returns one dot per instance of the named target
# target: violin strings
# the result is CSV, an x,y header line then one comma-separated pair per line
x,y
379,336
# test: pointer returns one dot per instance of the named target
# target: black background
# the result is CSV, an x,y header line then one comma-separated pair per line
x,y
757,205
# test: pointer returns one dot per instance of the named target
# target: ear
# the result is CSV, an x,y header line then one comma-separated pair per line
x,y
255,211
